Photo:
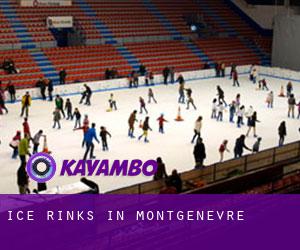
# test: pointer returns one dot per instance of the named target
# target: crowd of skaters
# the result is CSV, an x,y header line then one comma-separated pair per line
x,y
21,145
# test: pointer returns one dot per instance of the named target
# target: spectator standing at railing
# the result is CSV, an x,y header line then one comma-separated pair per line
x,y
282,133
223,67
12,91
142,70
172,74
62,76
41,84
166,73
240,146
256,146
176,181
50,89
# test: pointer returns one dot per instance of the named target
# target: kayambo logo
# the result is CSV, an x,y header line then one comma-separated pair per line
x,y
41,167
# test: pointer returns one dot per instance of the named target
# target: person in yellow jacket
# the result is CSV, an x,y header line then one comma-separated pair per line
x,y
24,149
26,102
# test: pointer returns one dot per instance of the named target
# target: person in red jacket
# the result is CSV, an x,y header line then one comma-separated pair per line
x,y
84,128
14,144
235,77
26,128
161,120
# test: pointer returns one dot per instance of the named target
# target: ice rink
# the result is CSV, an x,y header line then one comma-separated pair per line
x,y
174,146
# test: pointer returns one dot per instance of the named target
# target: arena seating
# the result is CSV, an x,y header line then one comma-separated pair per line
x,y
29,70
228,50
153,32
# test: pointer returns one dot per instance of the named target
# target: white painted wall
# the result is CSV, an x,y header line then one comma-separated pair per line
x,y
262,14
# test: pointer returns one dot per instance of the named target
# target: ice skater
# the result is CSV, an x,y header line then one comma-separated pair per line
x,y
161,120
262,85
36,141
252,124
112,102
238,101
197,129
77,116
291,104
26,102
214,109
222,149
181,98
221,95
270,99
151,78
240,146
87,94
151,96
56,118
282,133
14,144
68,108
199,153
256,145
240,116
132,119
190,100
26,128
103,135
2,102
232,111
289,89
221,109
235,77
89,136
59,103
145,128
298,106
142,105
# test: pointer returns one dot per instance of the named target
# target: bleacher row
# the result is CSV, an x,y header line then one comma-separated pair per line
x,y
89,62
105,22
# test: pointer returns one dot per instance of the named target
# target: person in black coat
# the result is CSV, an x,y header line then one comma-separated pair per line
x,y
239,146
221,95
176,181
62,76
50,90
42,85
199,153
12,91
142,70
22,179
166,73
161,170
281,133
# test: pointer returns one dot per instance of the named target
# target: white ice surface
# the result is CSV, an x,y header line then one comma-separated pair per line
x,y
174,146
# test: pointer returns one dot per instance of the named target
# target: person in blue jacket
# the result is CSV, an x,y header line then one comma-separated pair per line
x,y
89,136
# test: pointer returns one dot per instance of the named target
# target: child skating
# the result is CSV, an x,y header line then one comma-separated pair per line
x,y
145,128
190,100
151,96
77,116
132,119
112,103
214,109
161,120
270,100
222,149
221,109
103,135
68,108
142,105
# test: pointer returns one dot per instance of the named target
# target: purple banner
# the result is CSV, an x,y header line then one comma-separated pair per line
x,y
149,222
